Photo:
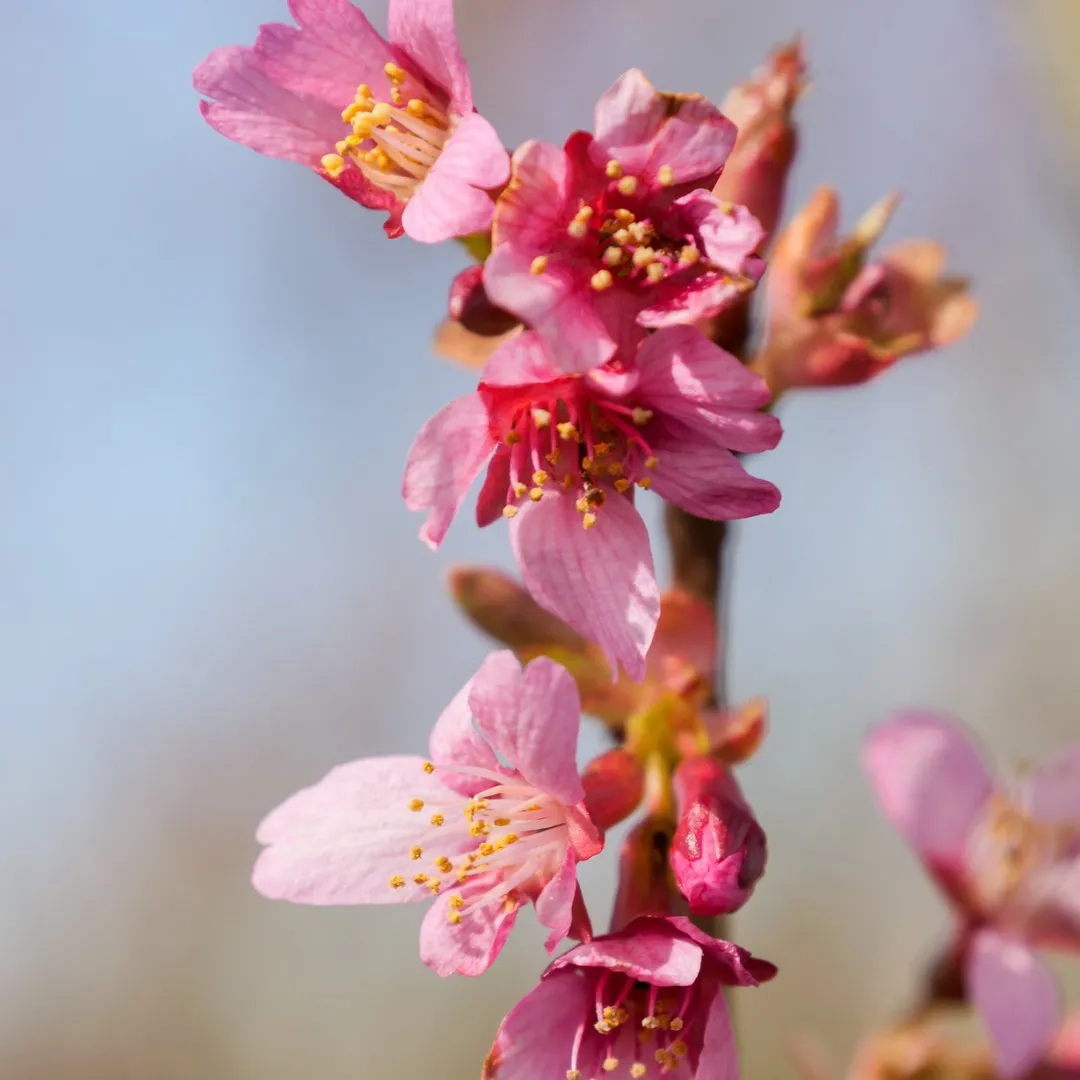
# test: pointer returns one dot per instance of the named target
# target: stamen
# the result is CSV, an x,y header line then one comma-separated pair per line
x,y
538,265
613,169
665,176
602,280
628,185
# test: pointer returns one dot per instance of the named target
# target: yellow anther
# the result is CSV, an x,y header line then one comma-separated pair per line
x,y
397,882
645,483
585,213
429,767
603,1027
509,838
568,431
666,176
510,511
622,485
444,865
502,822
587,464
342,147
601,280
453,917
567,482
382,113
334,164
538,265
582,505
541,418
512,438
641,416
613,169
536,494
363,93
628,185
539,478
611,1015
487,848
676,1024
655,272
457,901
603,448
610,1064
643,256
363,125
589,520
553,458
651,461
434,885
689,255
624,216
349,112
577,229
678,1048
621,236
416,106
437,820
639,233
393,72
665,1058
396,96
520,489
420,879
615,468
417,853
613,256
638,1070
416,804
650,1022
462,875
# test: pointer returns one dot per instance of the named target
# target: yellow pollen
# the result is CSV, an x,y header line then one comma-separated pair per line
x,y
417,853
567,431
437,819
666,176
420,879
665,1058
603,1027
539,478
613,256
541,418
429,767
584,214
456,901
676,1024
487,848
624,216
610,1064
520,489
611,1015
582,505
641,416
416,805
601,280
639,233
434,885
628,185
382,113
536,494
416,107
567,482
397,882
638,1070
334,164
478,828
589,520
453,917
587,464
622,485
512,438
689,255
577,229
539,264
645,483
509,838
655,272
615,468
652,462
678,1048
396,96
444,865
613,169
553,457
573,1074
621,236
462,875
349,112
502,822
363,93
643,256
603,448
650,1022
394,73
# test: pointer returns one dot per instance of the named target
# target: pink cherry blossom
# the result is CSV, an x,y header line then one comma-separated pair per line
x,y
1007,854
620,231
564,453
644,1002
389,123
479,837
718,853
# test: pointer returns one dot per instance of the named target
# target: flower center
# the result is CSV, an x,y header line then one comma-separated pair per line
x,y
561,435
393,143
643,1028
510,834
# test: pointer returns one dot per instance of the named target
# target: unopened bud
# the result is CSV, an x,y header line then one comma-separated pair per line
x,y
644,877
470,305
614,784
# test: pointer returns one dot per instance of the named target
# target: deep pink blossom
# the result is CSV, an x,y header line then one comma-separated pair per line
x,y
718,853
620,231
389,123
563,456
479,837
1008,857
644,1002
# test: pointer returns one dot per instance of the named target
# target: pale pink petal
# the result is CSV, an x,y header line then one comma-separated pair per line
x,y
558,304
532,718
424,31
536,1038
449,451
470,946
493,494
1017,997
250,108
931,782
627,118
342,840
695,141
727,236
334,51
533,212
686,631
677,303
555,904
522,360
456,740
704,478
719,1059
1053,789
732,964
650,949
600,581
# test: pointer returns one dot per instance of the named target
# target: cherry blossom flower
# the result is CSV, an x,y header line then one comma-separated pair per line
x,y
478,837
563,456
646,1001
835,319
1007,855
391,124
620,231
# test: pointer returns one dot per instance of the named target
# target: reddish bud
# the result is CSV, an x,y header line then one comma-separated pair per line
x,y
470,305
644,878
719,850
614,784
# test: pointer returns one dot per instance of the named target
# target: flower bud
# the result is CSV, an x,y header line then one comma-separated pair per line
x,y
614,783
476,327
719,850
644,877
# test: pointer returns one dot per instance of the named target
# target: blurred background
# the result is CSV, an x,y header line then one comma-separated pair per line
x,y
213,366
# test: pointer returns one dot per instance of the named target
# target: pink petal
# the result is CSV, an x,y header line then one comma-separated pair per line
x,y
341,841
424,31
557,304
931,783
600,581
676,303
686,631
555,904
533,212
536,1038
471,946
719,1059
705,479
1054,789
1018,999
532,718
250,108
493,494
734,965
449,451
522,360
728,237
456,740
650,949
335,50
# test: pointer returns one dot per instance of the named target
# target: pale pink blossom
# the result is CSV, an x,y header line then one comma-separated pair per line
x,y
564,453
835,318
718,852
479,837
619,231
389,123
1007,854
644,1002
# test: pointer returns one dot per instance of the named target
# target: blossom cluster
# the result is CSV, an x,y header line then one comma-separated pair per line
x,y
606,315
